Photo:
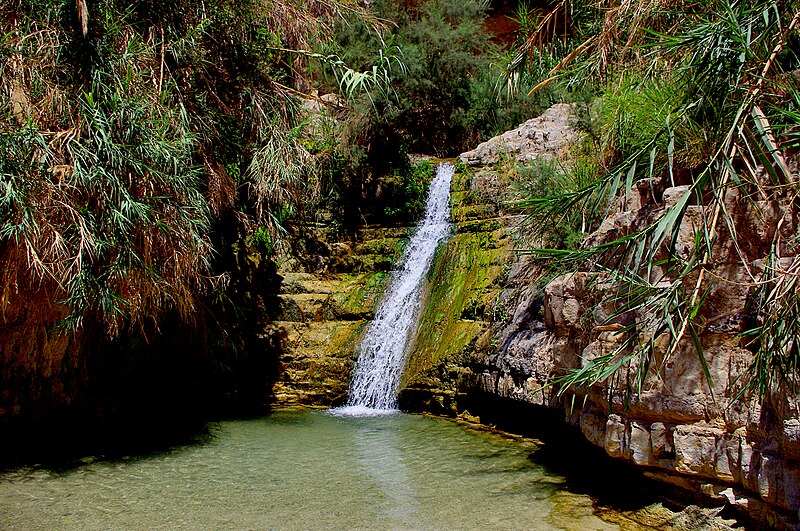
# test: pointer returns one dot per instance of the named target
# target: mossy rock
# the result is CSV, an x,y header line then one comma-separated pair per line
x,y
462,287
296,282
461,184
302,307
374,263
461,290
382,246
442,345
357,297
328,373
377,233
464,198
332,339
304,283
474,212
482,225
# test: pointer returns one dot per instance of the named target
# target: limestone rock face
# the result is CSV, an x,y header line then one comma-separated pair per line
x,y
328,294
542,137
680,427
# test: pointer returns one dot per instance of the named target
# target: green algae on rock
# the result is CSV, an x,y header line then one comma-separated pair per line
x,y
462,287
329,291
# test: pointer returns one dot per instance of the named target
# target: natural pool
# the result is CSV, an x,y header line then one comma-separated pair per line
x,y
298,469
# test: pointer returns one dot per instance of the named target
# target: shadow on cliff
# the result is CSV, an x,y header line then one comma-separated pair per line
x,y
565,452
140,397
151,387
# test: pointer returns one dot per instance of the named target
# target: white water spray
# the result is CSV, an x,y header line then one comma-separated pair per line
x,y
381,359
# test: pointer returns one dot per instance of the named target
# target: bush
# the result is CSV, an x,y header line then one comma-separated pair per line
x,y
445,99
126,135
694,109
402,197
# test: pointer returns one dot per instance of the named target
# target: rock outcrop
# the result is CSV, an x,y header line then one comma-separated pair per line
x,y
493,325
328,294
681,427
543,137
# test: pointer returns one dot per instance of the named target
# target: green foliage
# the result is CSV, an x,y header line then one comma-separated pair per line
x,y
527,19
633,112
111,209
262,239
706,125
775,327
403,193
542,180
127,131
278,172
352,83
442,101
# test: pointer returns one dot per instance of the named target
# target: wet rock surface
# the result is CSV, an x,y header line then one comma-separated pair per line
x,y
680,428
328,294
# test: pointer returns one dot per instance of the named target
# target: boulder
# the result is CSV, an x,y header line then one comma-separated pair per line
x,y
544,137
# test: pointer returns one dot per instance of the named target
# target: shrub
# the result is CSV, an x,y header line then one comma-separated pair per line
x,y
444,101
728,66
131,128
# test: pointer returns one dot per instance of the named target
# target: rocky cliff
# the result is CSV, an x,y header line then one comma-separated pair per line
x,y
493,324
330,287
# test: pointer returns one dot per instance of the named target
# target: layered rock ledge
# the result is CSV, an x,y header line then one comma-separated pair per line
x,y
329,290
493,325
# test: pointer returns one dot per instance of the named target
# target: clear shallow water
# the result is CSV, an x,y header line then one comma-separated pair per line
x,y
307,470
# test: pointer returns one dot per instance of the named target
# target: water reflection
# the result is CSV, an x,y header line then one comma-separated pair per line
x,y
379,456
306,470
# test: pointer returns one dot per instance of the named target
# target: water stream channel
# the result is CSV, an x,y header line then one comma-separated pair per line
x,y
382,354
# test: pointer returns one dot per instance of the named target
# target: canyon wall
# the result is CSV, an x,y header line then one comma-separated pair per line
x,y
498,322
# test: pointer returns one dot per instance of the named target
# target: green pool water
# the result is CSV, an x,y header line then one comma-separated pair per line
x,y
298,469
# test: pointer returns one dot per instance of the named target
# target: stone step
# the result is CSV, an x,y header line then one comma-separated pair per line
x,y
357,297
321,336
312,370
376,233
332,338
384,246
302,307
290,395
475,212
298,283
289,276
479,225
288,332
317,287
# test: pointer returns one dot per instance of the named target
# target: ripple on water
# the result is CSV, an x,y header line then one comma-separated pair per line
x,y
309,470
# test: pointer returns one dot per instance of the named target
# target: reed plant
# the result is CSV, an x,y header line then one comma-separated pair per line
x,y
689,95
128,130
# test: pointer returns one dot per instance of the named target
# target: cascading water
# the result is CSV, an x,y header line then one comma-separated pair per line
x,y
376,375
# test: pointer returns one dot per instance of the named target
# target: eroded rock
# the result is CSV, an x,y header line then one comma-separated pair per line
x,y
542,137
679,425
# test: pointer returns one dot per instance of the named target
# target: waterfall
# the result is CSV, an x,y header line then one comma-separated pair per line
x,y
381,359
